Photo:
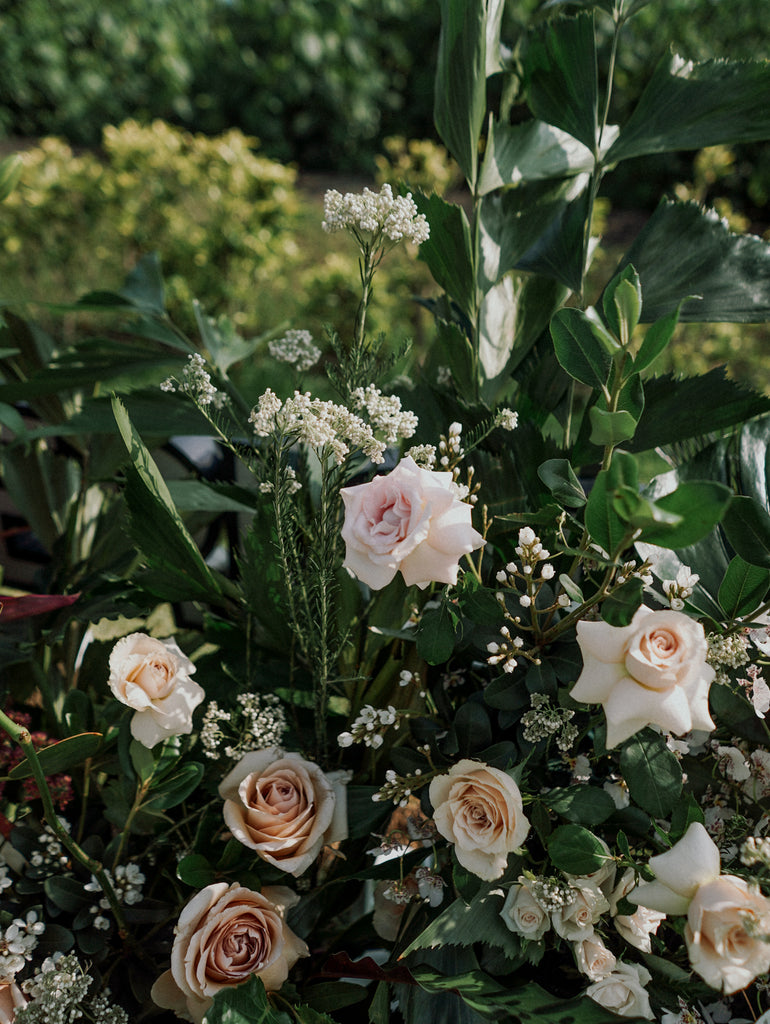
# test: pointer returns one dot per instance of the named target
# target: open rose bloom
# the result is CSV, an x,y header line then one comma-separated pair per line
x,y
651,672
479,809
284,808
153,677
224,935
410,521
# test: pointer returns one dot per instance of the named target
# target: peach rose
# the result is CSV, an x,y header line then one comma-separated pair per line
x,y
225,934
479,809
622,991
651,672
728,923
11,1000
153,677
522,914
284,807
410,520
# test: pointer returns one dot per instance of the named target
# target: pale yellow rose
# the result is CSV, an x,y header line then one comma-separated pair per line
x,y
479,809
728,924
153,677
651,672
11,999
622,991
410,520
284,808
593,958
522,914
224,935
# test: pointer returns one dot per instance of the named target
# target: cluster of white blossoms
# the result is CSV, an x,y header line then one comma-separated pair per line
x,y
126,882
450,447
546,720
726,650
424,455
17,942
677,591
319,424
297,348
58,992
376,214
370,726
196,382
52,854
385,413
257,723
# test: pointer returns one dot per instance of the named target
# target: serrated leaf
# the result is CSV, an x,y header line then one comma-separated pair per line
x,y
684,250
744,588
560,251
61,756
691,106
560,73
463,924
449,252
652,773
530,152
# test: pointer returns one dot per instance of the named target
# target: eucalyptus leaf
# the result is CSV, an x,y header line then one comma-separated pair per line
x,y
580,348
61,756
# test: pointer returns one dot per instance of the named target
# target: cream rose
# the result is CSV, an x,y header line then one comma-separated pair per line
x,y
224,935
593,958
153,677
410,520
623,992
523,914
635,928
691,862
11,1000
728,922
479,809
651,672
284,807
575,921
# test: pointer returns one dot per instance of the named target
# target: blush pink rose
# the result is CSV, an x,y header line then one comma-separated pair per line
x,y
11,1000
153,677
651,672
225,934
726,921
480,810
410,521
284,808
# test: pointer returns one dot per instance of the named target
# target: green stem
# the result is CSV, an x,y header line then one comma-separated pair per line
x,y
21,736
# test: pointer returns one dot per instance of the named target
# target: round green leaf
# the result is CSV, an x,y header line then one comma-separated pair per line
x,y
575,850
652,773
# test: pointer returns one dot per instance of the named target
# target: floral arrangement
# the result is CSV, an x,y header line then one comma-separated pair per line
x,y
446,701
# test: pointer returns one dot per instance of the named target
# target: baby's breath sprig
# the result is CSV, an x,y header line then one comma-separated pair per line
x,y
399,788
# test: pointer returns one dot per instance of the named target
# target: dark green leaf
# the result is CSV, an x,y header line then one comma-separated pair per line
x,y
463,924
473,728
364,814
736,712
379,1008
652,773
436,635
621,606
701,504
657,337
560,479
744,588
61,756
561,77
196,496
622,302
584,805
575,850
602,521
175,788
449,252
244,1004
460,90
560,250
747,526
684,250
144,285
528,152
195,870
690,106
67,893
580,346
611,428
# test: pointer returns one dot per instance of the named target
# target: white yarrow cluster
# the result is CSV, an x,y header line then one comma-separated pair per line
x,y
257,723
297,348
319,424
385,413
375,214
507,419
196,382
57,993
726,650
544,720
424,455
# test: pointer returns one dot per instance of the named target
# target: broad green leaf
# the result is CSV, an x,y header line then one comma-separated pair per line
x,y
611,427
690,106
735,712
460,92
157,526
244,1004
580,348
755,460
530,152
652,773
684,250
584,805
701,504
144,285
679,408
463,924
640,511
197,496
364,813
656,338
379,1008
602,521
561,76
512,223
449,251
621,606
61,756
747,526
142,760
67,893
622,302
575,850
560,252
436,635
176,788
196,871
560,479
744,588
223,345
473,728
